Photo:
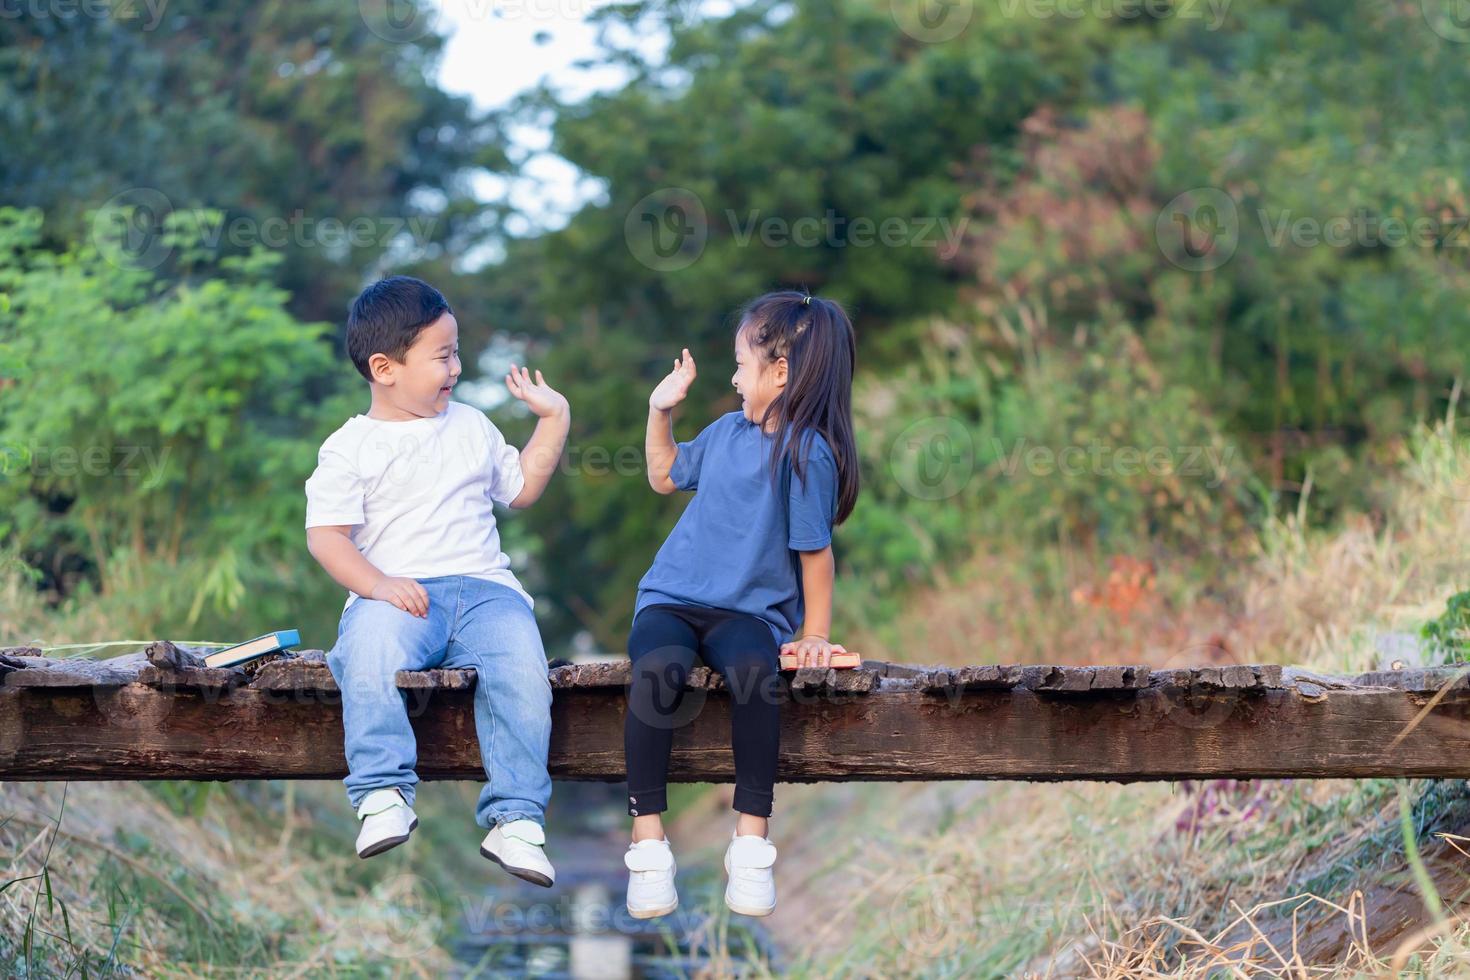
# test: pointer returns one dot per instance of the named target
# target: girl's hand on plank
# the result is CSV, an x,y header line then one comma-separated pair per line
x,y
812,651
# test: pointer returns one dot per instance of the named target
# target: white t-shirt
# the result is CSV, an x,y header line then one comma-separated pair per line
x,y
419,493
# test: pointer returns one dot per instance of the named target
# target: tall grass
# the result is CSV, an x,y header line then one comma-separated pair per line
x,y
124,879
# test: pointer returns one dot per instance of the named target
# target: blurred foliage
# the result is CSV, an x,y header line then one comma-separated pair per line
x,y
159,432
1449,633
1306,344
1079,450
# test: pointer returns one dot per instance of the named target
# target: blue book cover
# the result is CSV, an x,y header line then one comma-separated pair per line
x,y
252,649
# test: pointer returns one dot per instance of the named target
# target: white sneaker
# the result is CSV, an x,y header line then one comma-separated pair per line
x,y
749,861
387,820
651,870
516,846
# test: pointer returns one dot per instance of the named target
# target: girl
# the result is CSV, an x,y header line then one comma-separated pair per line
x,y
749,561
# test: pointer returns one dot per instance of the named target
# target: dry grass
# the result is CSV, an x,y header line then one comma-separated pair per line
x,y
113,877
25,619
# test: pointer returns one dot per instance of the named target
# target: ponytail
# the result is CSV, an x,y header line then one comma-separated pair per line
x,y
816,338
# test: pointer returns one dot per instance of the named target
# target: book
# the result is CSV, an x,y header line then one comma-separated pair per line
x,y
842,661
250,650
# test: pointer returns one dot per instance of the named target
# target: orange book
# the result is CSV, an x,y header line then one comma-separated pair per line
x,y
839,660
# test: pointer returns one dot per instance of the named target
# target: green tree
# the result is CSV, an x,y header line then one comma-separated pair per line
x,y
159,436
290,120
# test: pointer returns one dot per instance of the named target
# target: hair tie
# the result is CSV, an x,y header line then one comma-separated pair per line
x,y
806,300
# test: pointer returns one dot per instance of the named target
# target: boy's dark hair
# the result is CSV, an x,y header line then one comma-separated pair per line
x,y
387,317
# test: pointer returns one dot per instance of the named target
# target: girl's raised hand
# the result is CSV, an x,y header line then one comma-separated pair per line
x,y
540,397
672,389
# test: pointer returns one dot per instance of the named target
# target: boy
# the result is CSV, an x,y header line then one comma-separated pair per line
x,y
399,512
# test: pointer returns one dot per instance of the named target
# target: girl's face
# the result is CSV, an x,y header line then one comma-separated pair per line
x,y
757,380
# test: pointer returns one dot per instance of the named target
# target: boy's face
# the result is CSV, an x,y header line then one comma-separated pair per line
x,y
757,380
420,386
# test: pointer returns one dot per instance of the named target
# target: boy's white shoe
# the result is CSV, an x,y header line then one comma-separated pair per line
x,y
651,870
516,846
387,820
749,861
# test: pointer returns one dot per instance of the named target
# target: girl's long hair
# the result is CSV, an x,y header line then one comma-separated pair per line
x,y
816,338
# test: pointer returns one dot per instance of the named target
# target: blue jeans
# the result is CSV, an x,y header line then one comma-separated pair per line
x,y
471,623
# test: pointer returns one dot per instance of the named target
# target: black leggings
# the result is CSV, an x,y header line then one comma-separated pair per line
x,y
662,645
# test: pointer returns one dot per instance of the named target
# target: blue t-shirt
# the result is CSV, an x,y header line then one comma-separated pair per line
x,y
735,546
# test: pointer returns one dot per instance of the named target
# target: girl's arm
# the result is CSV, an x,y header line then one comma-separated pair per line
x,y
813,646
659,448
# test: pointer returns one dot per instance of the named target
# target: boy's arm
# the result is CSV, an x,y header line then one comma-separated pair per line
x,y
541,454
543,450
814,647
331,545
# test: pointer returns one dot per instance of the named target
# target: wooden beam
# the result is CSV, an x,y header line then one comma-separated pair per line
x,y
156,715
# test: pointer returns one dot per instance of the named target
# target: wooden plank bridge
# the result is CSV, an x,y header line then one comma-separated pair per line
x,y
156,714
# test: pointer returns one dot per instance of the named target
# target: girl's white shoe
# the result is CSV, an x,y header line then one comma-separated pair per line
x,y
651,870
750,863
387,820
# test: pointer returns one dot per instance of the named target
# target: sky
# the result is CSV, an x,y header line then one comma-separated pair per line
x,y
496,50
500,48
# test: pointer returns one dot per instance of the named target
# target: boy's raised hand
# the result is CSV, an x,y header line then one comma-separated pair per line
x,y
672,389
540,397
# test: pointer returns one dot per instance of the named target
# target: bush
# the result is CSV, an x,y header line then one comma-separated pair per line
x,y
157,435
